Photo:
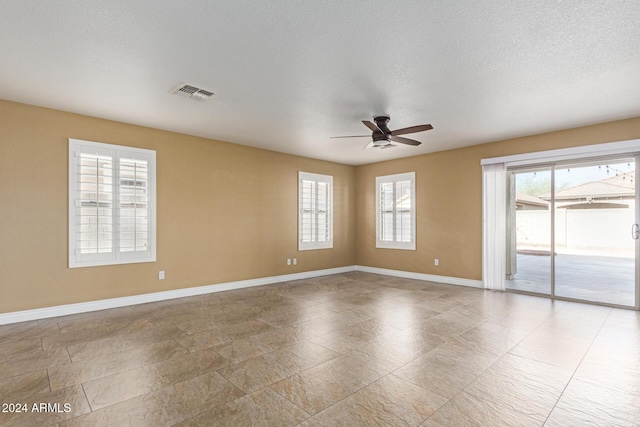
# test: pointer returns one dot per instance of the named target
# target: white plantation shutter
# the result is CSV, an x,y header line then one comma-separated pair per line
x,y
315,217
395,211
386,205
404,211
133,202
94,204
111,197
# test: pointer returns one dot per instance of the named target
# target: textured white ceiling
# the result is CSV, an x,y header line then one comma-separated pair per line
x,y
289,74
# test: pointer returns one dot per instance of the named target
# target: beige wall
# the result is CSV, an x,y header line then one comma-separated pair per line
x,y
228,212
224,212
449,200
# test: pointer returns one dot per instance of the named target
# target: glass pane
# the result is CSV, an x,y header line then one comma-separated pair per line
x,y
594,213
528,265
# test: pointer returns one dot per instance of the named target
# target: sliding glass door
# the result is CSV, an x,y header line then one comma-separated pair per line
x,y
572,230
595,211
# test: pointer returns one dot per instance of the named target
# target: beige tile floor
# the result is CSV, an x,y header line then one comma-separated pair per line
x,y
354,349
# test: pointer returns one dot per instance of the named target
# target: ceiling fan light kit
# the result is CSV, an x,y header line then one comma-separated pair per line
x,y
382,136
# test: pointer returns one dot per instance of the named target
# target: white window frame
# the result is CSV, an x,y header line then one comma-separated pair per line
x,y
387,244
115,256
315,243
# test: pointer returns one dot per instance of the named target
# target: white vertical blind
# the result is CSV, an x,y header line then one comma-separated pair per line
x,y
111,197
494,223
315,211
395,218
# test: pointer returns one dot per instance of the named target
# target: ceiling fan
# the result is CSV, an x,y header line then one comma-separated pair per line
x,y
382,136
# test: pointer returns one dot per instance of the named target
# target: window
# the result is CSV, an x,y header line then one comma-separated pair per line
x,y
111,204
315,217
396,211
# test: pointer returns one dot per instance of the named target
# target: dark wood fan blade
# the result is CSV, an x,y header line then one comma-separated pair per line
x,y
411,129
371,126
404,140
369,145
352,136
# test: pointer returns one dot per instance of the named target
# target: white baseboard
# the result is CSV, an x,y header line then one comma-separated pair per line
x,y
421,276
83,307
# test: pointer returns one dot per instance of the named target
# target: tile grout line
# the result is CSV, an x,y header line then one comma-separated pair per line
x,y
389,373
87,398
537,326
578,366
338,401
499,359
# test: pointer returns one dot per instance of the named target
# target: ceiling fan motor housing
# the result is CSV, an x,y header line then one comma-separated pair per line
x,y
383,136
381,122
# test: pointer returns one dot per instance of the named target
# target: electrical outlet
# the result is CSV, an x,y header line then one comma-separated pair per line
x,y
288,261
436,262
160,275
295,261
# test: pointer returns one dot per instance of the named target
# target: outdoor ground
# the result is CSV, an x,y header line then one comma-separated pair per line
x,y
592,278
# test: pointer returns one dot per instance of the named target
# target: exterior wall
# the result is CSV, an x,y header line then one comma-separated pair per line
x,y
603,232
533,230
225,212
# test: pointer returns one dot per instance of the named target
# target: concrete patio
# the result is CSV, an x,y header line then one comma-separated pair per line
x,y
591,278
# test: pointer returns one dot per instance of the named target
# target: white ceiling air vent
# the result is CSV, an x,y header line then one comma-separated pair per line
x,y
192,92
